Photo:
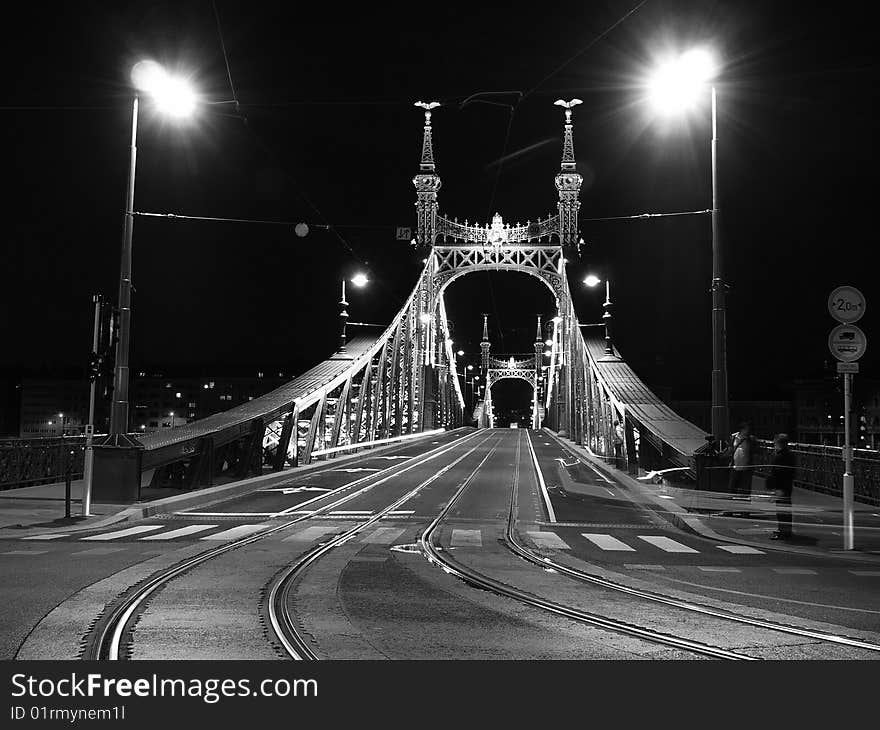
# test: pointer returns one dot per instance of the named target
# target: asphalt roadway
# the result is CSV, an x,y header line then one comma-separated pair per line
x,y
375,595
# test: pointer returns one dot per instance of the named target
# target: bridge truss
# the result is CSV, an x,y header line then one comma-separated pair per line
x,y
404,382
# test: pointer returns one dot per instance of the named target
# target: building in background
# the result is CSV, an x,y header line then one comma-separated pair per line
x,y
57,407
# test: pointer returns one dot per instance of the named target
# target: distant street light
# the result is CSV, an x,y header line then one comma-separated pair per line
x,y
174,97
592,280
460,353
674,87
360,280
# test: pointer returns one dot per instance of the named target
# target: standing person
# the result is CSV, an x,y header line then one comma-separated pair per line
x,y
782,465
742,449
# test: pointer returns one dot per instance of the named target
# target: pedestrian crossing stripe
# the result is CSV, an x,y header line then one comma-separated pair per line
x,y
607,542
548,540
236,532
139,529
180,532
667,544
466,538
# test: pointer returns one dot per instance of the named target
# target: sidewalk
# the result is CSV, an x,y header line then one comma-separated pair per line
x,y
817,518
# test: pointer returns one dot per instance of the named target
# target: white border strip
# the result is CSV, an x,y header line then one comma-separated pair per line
x,y
368,444
550,513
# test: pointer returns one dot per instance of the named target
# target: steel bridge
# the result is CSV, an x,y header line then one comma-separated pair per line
x,y
404,382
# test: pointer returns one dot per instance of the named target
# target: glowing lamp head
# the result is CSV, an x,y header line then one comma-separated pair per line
x,y
592,280
360,280
677,83
460,353
424,318
174,96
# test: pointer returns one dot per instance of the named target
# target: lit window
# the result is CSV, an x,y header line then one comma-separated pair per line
x,y
177,395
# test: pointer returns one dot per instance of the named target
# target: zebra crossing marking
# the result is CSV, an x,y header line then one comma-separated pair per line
x,y
548,540
307,534
466,538
123,533
101,551
383,536
235,532
740,550
667,544
180,532
606,542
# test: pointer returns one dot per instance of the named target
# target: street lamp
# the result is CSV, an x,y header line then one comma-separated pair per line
x,y
676,86
592,281
359,280
175,98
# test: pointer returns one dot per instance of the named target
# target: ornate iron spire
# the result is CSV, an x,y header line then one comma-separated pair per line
x,y
568,182
427,183
538,337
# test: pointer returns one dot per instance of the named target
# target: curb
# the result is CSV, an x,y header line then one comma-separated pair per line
x,y
207,496
679,517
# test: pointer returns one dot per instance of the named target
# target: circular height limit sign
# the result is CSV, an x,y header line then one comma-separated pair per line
x,y
847,342
846,304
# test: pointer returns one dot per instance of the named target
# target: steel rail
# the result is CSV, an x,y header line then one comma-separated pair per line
x,y
479,580
530,556
278,598
109,631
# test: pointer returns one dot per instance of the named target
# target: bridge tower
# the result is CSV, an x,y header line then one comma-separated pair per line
x,y
485,344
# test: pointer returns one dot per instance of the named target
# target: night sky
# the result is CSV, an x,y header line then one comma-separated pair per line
x,y
326,133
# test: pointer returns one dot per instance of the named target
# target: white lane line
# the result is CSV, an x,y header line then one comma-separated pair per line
x,y
401,512
180,532
356,469
123,533
740,549
25,552
865,572
43,537
311,533
548,540
226,514
390,458
351,512
606,542
717,569
642,566
383,536
100,551
466,538
236,532
667,544
550,513
794,571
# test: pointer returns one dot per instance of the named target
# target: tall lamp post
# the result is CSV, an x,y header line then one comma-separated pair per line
x,y
175,98
360,281
591,281
675,86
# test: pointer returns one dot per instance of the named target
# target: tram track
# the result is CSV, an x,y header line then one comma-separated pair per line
x,y
106,639
443,559
541,561
281,619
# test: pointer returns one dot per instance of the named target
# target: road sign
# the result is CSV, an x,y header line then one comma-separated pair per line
x,y
846,304
847,367
847,342
404,234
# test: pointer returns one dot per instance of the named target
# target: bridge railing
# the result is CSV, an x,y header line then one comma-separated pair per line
x,y
30,462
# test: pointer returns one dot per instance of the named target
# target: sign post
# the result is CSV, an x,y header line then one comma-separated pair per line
x,y
847,343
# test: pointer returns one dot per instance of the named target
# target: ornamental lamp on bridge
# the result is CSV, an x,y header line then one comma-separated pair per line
x,y
359,280
173,97
676,86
